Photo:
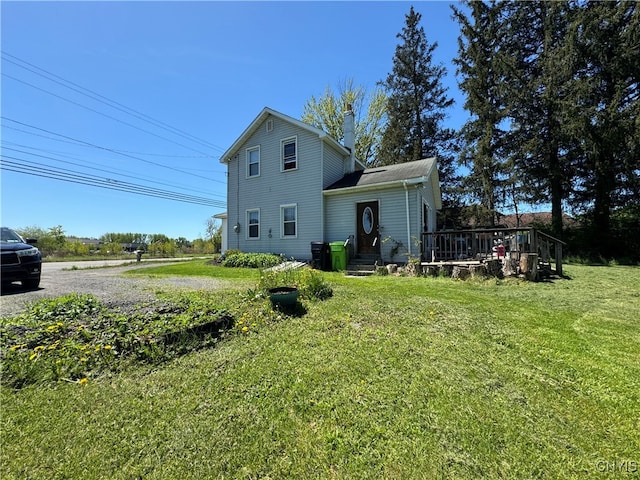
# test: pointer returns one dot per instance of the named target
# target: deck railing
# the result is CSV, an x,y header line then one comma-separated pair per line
x,y
494,243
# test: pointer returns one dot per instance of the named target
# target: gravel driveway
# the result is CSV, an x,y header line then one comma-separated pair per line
x,y
107,284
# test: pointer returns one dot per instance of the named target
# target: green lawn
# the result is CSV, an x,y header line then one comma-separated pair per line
x,y
391,378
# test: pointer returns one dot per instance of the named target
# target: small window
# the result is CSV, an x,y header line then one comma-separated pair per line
x,y
253,222
253,162
289,154
289,215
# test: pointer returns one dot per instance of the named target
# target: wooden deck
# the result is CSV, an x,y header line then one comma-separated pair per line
x,y
472,247
453,263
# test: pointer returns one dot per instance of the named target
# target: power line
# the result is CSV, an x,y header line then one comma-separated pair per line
x,y
99,113
113,149
95,168
107,101
35,168
18,165
84,143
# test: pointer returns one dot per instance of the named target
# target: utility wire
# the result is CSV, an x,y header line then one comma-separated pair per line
x,y
99,113
95,168
35,167
105,100
117,150
18,165
110,150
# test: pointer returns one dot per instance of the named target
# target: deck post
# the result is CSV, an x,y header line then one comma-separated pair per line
x,y
533,234
559,258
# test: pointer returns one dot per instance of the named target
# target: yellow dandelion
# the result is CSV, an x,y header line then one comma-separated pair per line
x,y
33,356
107,347
83,359
15,347
38,348
98,348
245,329
60,324
83,381
432,313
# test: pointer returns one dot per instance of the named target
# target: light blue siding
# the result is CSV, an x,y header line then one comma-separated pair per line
x,y
329,216
340,215
334,166
273,188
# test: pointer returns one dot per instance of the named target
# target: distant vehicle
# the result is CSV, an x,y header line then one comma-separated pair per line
x,y
20,261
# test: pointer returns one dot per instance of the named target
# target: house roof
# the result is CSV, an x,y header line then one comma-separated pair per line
x,y
534,218
262,116
418,171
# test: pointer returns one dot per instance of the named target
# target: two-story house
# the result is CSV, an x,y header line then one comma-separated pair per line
x,y
290,184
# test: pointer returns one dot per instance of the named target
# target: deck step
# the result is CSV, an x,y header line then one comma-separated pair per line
x,y
361,265
359,273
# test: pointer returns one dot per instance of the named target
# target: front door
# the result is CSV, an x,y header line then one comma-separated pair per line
x,y
368,227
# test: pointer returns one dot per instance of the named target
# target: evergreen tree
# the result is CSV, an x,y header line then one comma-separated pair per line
x,y
417,105
481,64
538,102
606,92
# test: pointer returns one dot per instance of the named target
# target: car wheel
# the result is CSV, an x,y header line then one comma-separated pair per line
x,y
31,283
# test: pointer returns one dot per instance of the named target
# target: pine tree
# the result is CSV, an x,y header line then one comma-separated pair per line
x,y
538,100
606,92
417,105
481,64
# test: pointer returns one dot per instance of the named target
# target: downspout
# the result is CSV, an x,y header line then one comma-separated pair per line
x,y
419,209
238,202
406,197
322,190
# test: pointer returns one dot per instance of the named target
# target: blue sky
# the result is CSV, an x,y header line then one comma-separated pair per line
x,y
194,74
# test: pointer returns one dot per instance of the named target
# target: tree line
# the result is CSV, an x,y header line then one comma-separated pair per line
x,y
552,95
54,242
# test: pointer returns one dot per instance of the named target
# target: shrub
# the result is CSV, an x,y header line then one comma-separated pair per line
x,y
310,283
251,260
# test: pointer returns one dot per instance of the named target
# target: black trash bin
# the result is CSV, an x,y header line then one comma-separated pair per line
x,y
321,255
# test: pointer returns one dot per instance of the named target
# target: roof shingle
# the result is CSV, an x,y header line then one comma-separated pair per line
x,y
385,174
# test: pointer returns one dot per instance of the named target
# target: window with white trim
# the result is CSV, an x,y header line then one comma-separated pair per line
x,y
289,153
289,219
253,161
253,224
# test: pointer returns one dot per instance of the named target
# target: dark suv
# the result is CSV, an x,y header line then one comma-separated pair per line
x,y
19,259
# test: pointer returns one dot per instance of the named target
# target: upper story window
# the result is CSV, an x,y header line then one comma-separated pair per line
x,y
290,153
253,161
253,222
289,216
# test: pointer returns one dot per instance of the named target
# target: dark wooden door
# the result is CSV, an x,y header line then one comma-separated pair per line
x,y
368,227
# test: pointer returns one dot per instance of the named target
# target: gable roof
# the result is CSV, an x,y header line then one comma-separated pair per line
x,y
418,171
262,116
530,219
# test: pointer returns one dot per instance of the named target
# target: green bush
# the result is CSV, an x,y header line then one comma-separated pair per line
x,y
251,260
310,283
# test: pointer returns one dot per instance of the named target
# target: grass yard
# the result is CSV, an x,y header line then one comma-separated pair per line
x,y
391,378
